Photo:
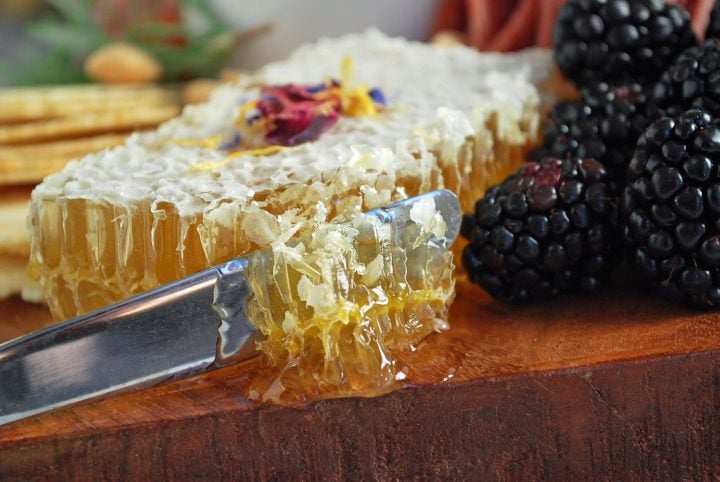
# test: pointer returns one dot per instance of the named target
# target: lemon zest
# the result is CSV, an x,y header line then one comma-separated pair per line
x,y
212,142
356,101
252,104
212,165
347,70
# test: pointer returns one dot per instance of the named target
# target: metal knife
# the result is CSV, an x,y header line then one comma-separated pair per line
x,y
174,331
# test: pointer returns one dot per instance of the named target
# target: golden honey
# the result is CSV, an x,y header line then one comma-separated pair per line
x,y
336,305
89,253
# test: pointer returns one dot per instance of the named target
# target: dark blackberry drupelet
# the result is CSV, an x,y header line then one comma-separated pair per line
x,y
604,124
671,208
547,229
692,81
608,40
713,28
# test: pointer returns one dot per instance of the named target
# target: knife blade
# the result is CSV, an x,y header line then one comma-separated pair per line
x,y
185,327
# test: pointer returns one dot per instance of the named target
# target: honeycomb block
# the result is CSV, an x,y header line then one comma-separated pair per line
x,y
127,219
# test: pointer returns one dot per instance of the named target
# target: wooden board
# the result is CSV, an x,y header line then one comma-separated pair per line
x,y
622,385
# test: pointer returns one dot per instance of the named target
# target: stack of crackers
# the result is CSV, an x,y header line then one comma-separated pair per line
x,y
41,129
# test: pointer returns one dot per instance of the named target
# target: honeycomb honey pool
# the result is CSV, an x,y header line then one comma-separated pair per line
x,y
126,220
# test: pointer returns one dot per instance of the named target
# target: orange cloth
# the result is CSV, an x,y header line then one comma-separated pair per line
x,y
505,25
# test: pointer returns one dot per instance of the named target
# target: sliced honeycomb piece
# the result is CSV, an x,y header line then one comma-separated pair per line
x,y
336,304
170,202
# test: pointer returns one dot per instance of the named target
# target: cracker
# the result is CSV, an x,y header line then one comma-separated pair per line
x,y
14,237
39,103
15,246
198,91
231,76
14,279
30,163
129,118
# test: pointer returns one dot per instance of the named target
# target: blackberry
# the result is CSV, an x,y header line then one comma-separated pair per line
x,y
692,81
604,124
547,229
619,39
670,208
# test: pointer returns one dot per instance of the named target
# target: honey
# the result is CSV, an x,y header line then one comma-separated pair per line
x,y
336,305
88,253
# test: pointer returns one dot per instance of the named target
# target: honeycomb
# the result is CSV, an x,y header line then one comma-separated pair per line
x,y
170,202
335,305
125,220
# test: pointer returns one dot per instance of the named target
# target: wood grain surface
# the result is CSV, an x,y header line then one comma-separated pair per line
x,y
620,386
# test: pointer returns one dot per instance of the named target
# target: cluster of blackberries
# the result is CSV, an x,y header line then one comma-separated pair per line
x,y
634,162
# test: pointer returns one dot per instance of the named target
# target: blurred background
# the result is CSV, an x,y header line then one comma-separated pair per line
x,y
46,41
50,41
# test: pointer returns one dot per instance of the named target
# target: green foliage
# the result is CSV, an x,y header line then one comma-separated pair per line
x,y
185,49
44,68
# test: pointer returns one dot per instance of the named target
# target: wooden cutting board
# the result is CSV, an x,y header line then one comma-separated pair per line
x,y
619,386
